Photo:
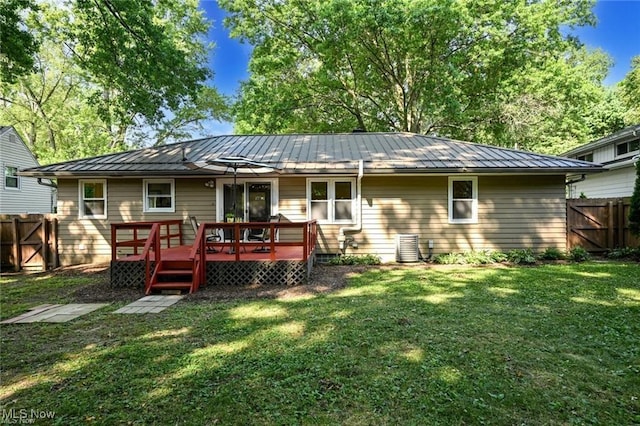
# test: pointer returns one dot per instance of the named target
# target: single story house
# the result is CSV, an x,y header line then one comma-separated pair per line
x,y
617,153
21,194
366,191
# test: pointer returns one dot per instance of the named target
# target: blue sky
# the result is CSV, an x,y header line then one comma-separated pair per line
x,y
617,32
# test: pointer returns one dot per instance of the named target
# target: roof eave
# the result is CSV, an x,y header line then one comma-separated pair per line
x,y
316,171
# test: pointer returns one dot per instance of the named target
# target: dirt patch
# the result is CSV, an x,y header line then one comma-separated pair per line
x,y
323,279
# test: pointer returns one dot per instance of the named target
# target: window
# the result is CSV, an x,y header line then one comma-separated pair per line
x,y
627,147
586,157
93,199
463,200
11,178
331,200
159,195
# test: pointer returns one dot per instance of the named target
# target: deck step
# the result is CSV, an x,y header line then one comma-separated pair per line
x,y
177,264
175,272
171,286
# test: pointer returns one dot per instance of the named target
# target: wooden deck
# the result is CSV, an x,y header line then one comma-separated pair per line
x,y
153,255
225,253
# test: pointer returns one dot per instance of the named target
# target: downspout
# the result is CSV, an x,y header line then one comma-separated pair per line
x,y
571,182
342,239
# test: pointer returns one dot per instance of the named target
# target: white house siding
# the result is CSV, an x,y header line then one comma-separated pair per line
x,y
609,184
514,212
29,197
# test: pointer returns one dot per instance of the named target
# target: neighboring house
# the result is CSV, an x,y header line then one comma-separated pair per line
x,y
364,189
20,194
616,153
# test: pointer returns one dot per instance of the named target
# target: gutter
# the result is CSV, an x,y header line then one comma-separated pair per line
x,y
342,238
49,184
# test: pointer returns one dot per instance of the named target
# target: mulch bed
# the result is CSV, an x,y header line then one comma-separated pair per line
x,y
323,279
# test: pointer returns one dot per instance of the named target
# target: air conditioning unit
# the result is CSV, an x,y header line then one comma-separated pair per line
x,y
407,249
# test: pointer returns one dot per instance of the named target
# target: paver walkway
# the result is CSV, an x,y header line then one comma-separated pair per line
x,y
55,313
149,304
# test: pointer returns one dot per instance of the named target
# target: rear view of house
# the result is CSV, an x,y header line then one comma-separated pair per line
x,y
20,194
364,190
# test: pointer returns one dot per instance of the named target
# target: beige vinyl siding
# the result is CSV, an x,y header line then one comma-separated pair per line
x,y
89,240
513,212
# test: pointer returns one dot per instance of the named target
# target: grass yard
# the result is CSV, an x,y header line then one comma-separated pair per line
x,y
547,345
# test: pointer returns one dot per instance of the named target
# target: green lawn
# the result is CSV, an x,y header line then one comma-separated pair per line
x,y
555,344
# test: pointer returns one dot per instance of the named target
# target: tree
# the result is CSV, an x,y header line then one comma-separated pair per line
x,y
111,75
553,105
629,89
634,209
17,45
428,66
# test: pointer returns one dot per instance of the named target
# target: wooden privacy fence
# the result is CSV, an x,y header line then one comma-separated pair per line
x,y
599,224
28,242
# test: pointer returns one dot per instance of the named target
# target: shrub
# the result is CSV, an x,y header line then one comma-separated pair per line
x,y
552,253
625,253
498,256
484,257
475,257
578,254
367,259
521,256
449,259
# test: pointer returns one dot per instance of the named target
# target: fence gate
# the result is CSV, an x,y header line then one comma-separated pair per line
x,y
28,242
599,224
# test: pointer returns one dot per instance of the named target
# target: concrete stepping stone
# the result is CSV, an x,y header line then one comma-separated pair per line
x,y
149,305
55,313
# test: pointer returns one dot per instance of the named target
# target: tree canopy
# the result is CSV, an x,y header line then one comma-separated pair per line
x,y
490,71
107,75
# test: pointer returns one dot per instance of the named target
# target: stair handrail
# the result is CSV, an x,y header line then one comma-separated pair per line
x,y
153,242
197,256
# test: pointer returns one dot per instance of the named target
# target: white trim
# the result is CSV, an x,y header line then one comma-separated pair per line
x,y
145,196
331,192
81,199
18,180
220,182
474,200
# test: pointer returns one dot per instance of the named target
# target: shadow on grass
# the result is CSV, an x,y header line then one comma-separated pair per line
x,y
546,345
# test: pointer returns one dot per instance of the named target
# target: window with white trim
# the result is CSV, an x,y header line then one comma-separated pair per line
x,y
331,200
627,148
463,199
159,195
93,198
11,178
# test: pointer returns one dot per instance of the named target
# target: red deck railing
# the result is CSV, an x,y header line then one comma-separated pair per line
x,y
128,237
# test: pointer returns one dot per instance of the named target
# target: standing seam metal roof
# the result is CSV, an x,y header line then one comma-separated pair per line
x,y
300,153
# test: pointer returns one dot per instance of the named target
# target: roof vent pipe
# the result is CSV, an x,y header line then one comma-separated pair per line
x,y
358,226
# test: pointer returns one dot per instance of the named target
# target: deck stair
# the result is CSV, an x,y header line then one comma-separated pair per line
x,y
172,275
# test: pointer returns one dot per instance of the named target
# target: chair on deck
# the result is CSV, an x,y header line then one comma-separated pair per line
x,y
213,237
263,235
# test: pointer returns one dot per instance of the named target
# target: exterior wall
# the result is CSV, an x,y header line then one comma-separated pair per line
x,y
513,212
29,197
89,240
609,184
